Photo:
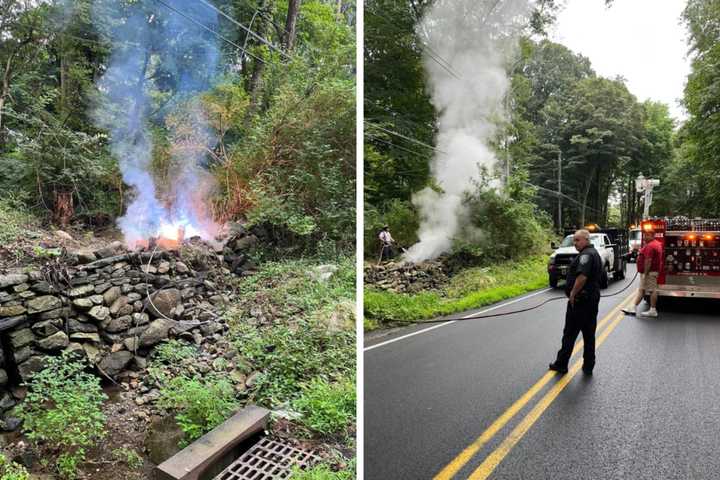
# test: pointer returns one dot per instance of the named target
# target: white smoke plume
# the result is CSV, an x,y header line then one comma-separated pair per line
x,y
470,43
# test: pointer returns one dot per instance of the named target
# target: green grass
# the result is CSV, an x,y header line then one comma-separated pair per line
x,y
14,218
471,288
327,408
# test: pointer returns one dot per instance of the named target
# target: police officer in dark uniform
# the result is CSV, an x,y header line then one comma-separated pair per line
x,y
583,291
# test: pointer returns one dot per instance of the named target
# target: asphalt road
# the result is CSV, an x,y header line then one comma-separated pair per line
x,y
650,411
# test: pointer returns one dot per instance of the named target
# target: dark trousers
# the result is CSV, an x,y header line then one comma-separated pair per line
x,y
580,318
387,252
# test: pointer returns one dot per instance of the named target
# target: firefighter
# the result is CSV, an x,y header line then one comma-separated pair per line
x,y
648,264
583,290
386,241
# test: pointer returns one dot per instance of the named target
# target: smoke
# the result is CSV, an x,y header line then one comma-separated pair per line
x,y
159,62
469,42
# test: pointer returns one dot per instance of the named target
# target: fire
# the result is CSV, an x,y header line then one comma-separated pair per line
x,y
169,237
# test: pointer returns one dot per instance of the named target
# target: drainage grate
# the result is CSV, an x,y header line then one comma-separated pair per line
x,y
267,459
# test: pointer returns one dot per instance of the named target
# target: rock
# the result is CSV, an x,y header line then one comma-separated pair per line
x,y
83,303
31,366
20,338
6,402
74,349
251,379
162,440
80,291
96,299
85,255
43,287
12,311
101,288
43,304
12,279
85,337
76,326
140,318
91,351
111,295
99,312
119,303
163,302
55,313
126,310
244,243
156,332
119,324
62,235
163,267
12,322
131,343
57,341
140,362
47,327
10,424
21,288
322,273
114,363
23,354
3,377
180,267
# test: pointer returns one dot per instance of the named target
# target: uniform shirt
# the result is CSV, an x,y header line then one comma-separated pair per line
x,y
653,251
588,263
385,237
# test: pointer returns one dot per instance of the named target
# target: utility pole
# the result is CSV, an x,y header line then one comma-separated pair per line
x,y
560,191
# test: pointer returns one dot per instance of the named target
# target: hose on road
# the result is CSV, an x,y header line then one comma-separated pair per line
x,y
522,310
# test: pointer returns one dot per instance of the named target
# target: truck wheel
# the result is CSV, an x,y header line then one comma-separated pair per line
x,y
620,274
604,278
553,281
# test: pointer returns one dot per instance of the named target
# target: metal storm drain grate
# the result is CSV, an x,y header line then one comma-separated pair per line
x,y
267,459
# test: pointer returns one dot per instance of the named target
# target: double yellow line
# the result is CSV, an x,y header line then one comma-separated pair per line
x,y
494,459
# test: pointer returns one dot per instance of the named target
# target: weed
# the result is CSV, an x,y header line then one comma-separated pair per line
x,y
199,404
128,456
63,408
322,472
42,253
11,470
327,408
173,351
14,217
289,356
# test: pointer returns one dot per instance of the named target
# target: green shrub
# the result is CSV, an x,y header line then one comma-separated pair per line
x,y
200,404
14,217
327,408
11,470
128,456
63,409
289,356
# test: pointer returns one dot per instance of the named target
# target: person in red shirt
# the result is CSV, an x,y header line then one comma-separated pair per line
x,y
649,261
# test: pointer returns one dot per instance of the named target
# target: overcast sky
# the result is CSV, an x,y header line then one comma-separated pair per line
x,y
641,40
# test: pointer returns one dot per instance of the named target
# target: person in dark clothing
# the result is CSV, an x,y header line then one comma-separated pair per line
x,y
583,291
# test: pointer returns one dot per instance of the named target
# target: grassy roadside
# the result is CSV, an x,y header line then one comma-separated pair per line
x,y
471,288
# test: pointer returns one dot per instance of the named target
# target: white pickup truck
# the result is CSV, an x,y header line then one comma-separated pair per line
x,y
565,253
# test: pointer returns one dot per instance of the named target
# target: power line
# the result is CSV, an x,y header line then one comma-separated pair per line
x,y
392,132
255,35
200,24
378,139
556,193
431,53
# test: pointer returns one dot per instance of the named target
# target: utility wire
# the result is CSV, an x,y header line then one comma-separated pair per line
x,y
254,35
200,24
392,132
378,139
431,53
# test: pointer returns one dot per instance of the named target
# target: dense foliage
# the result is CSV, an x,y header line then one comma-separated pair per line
x,y
283,117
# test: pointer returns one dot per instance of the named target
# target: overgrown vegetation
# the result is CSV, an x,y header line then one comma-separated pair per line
x,y
323,472
62,411
327,408
471,288
200,404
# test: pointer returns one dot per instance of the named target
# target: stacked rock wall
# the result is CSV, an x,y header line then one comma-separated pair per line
x,y
112,309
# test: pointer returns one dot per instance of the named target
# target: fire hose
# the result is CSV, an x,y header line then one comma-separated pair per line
x,y
522,310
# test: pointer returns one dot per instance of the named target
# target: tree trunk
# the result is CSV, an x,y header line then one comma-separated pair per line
x,y
588,184
5,91
63,209
289,37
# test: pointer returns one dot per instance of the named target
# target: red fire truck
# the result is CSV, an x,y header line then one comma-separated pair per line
x,y
691,249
